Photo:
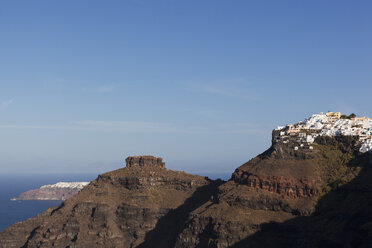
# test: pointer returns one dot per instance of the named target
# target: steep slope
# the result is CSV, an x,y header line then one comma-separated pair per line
x,y
343,218
278,186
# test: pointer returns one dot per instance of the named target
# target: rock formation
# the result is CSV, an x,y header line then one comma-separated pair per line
x,y
144,161
319,197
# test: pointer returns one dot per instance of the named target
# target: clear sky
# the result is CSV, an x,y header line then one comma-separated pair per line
x,y
201,83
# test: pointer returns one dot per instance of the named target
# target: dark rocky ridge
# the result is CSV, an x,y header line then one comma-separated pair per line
x,y
281,198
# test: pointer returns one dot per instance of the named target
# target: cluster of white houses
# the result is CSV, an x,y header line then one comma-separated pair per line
x,y
329,124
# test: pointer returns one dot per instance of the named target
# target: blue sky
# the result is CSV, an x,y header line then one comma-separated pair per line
x,y
83,84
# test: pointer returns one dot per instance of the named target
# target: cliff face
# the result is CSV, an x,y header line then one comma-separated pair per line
x,y
281,198
342,218
272,200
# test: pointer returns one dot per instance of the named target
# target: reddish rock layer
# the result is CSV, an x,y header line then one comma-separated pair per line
x,y
291,187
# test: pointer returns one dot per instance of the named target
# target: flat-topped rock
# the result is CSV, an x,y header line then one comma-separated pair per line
x,y
144,161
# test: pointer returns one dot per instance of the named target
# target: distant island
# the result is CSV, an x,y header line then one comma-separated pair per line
x,y
52,192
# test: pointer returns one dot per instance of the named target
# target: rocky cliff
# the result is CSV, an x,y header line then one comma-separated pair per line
x,y
285,197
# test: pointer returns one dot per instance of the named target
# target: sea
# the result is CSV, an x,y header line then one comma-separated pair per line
x,y
11,185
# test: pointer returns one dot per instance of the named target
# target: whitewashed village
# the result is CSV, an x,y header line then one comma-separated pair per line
x,y
66,185
328,124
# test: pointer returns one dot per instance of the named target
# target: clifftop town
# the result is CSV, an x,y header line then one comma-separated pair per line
x,y
328,124
67,185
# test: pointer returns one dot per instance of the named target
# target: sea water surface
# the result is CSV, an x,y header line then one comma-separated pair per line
x,y
12,185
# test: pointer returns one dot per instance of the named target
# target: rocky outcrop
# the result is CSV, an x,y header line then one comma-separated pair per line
x,y
144,161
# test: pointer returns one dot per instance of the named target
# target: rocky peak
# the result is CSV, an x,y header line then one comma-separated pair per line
x,y
136,161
